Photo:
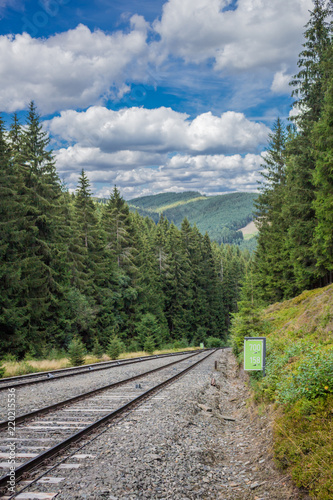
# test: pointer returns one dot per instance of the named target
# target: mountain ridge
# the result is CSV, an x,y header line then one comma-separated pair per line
x,y
222,216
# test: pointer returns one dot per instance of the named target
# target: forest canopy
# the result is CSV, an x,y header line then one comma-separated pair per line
x,y
72,267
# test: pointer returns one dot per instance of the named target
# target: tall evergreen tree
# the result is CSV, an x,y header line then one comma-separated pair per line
x,y
40,197
12,236
309,85
323,179
272,263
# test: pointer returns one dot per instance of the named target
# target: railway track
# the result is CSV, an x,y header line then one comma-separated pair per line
x,y
36,378
41,435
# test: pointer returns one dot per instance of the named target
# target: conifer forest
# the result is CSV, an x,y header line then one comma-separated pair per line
x,y
73,267
294,209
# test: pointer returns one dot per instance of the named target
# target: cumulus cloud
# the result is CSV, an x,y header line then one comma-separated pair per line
x,y
158,130
75,158
259,33
70,69
209,174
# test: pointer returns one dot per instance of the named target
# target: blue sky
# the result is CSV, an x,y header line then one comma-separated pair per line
x,y
153,96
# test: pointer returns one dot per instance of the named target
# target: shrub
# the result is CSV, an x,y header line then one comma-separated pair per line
x,y
2,370
11,358
55,353
76,352
133,346
212,342
313,378
24,368
114,347
180,344
97,349
199,336
149,327
149,345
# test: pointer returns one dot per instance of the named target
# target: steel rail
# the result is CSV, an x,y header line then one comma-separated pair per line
x,y
49,377
21,418
34,462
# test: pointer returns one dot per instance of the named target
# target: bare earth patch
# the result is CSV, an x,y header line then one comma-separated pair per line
x,y
249,229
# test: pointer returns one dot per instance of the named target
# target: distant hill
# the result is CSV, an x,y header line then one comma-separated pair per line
x,y
222,216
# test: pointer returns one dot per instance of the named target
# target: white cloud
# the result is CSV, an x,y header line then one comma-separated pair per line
x,y
70,69
259,33
280,84
208,174
76,158
158,130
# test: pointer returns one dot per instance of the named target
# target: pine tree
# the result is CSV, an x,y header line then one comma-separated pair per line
x,y
177,286
323,179
272,261
149,327
86,211
149,345
309,83
298,208
12,237
39,195
114,348
76,352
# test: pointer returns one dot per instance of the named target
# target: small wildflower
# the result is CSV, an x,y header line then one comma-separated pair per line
x,y
326,387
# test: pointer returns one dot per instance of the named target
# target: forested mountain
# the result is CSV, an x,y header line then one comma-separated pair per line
x,y
72,267
221,216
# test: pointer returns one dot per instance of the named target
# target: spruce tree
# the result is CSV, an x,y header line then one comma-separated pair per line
x,y
309,87
12,237
40,198
323,180
272,261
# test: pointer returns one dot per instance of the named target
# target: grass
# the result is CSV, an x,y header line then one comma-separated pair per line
x,y
299,384
15,368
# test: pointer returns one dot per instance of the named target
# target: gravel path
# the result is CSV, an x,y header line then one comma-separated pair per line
x,y
43,394
199,441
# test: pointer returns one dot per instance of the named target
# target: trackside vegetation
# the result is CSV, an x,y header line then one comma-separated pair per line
x,y
299,383
293,270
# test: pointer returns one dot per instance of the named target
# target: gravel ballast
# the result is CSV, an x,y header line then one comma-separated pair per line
x,y
195,439
29,398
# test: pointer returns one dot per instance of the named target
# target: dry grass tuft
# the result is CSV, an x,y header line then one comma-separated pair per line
x,y
15,368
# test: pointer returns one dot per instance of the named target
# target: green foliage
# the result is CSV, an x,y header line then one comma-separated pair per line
x,y
247,322
25,368
55,353
97,349
133,346
11,358
76,352
2,370
114,347
149,345
70,266
299,379
180,344
313,378
294,208
214,342
148,327
304,445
